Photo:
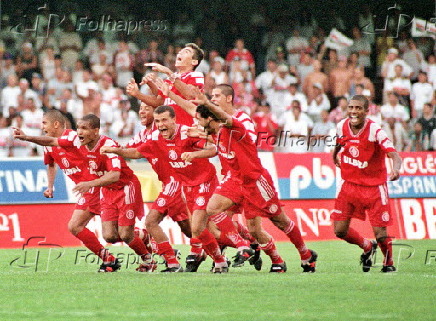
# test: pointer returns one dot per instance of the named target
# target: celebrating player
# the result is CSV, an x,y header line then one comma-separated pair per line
x,y
59,150
360,154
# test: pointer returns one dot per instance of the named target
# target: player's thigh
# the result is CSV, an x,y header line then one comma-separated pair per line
x,y
153,218
218,204
199,222
79,218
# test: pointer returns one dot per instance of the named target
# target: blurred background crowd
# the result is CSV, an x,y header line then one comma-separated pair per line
x,y
69,56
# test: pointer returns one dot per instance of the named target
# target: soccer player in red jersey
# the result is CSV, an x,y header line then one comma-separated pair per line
x,y
259,198
186,61
360,154
59,151
198,177
169,202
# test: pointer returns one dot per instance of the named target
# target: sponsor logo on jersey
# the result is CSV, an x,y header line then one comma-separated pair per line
x,y
130,214
65,162
71,171
355,162
385,217
161,202
354,151
172,154
179,164
200,201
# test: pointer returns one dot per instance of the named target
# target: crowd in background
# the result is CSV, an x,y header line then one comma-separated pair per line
x,y
294,86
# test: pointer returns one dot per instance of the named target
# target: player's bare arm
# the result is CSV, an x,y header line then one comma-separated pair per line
x,y
188,106
133,90
207,152
336,159
396,166
106,179
201,99
51,175
131,153
149,80
39,140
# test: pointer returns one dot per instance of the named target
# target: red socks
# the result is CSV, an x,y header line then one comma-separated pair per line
x,y
229,234
211,247
353,237
138,246
271,250
386,248
167,252
294,234
243,231
92,243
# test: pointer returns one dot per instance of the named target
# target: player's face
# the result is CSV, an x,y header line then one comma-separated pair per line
x,y
146,114
48,127
218,98
87,135
185,58
205,123
165,124
357,113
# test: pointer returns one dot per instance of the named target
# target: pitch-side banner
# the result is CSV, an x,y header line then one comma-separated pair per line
x,y
314,176
24,181
37,225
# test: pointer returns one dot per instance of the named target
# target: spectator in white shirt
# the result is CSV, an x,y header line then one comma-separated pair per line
x,y
421,93
265,79
414,58
399,85
293,94
10,95
394,110
295,45
318,103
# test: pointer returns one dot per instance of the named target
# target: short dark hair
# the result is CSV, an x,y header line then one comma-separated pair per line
x,y
362,99
227,90
205,112
198,52
161,109
93,120
55,115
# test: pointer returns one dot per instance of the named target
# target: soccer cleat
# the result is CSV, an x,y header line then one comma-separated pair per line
x,y
147,266
193,262
228,264
278,267
388,268
311,264
218,269
177,254
173,269
145,237
256,260
366,258
112,266
242,256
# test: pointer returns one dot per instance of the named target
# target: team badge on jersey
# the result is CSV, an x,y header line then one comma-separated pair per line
x,y
354,151
200,201
173,154
130,214
65,162
93,164
385,217
81,201
273,208
161,202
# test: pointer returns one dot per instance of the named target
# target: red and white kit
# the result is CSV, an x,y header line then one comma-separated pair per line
x,y
364,173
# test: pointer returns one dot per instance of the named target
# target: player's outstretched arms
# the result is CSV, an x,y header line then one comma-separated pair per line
x,y
132,89
188,106
397,162
201,99
39,140
123,152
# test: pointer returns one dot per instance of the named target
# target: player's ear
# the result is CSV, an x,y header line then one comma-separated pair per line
x,y
194,62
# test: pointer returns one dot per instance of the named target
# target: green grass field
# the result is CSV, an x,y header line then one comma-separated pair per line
x,y
339,290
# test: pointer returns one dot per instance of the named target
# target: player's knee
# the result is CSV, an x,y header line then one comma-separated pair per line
x,y
73,228
340,234
213,209
111,239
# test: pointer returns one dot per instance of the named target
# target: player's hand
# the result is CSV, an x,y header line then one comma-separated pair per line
x,y
197,132
48,193
148,79
395,175
132,88
187,156
199,97
337,161
19,134
82,187
108,150
159,68
163,86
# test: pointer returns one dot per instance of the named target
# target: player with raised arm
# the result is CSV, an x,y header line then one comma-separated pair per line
x,y
186,61
169,202
198,177
59,151
227,233
362,147
260,198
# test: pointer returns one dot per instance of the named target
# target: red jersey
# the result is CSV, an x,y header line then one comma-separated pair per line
x,y
194,173
195,78
100,164
243,55
266,126
161,167
68,158
363,155
238,152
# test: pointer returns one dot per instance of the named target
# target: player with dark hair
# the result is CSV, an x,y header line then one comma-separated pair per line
x,y
186,61
360,154
169,201
198,177
59,150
